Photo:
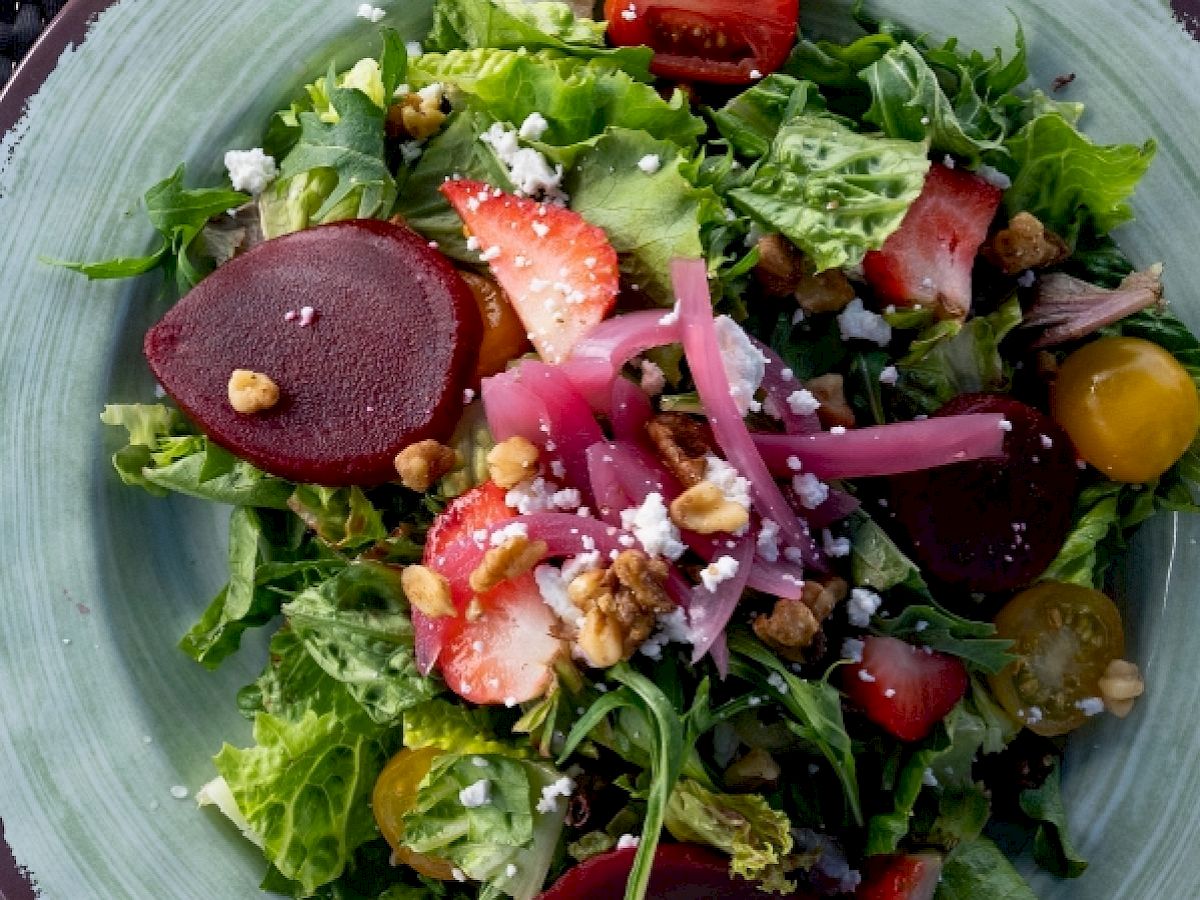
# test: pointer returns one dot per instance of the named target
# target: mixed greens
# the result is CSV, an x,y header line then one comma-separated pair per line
x,y
750,751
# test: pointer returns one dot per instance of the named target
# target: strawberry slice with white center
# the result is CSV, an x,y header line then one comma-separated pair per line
x,y
901,878
559,271
905,690
506,653
928,260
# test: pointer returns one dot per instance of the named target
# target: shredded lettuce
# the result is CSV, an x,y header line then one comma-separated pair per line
x,y
833,192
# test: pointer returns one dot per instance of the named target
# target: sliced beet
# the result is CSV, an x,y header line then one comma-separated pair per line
x,y
681,872
369,333
992,524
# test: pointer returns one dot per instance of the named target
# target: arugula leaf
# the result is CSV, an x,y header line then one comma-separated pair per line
x,y
356,626
977,870
178,214
393,62
650,219
833,192
876,562
814,707
931,626
750,121
743,826
1052,847
951,358
511,25
342,517
304,791
1068,181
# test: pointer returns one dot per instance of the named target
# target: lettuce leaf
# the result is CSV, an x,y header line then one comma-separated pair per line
x,y
1071,183
304,791
977,870
1052,847
651,218
342,517
835,69
876,562
356,627
455,728
833,192
951,358
744,826
750,121
931,626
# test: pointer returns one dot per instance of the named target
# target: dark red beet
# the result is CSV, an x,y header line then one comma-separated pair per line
x,y
382,363
681,872
993,524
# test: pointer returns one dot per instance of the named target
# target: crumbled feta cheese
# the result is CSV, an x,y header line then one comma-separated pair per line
x,y
432,94
920,626
1027,278
835,546
755,74
651,524
852,649
994,177
793,463
733,486
558,468
650,163
718,572
673,628
653,378
552,585
510,871
1090,706
858,322
508,532
777,681
889,375
863,604
468,396
948,161
744,364
250,170
576,566
528,170
534,127
628,842
629,14
459,874
803,403
410,152
864,675
1033,715
810,489
476,795
370,13
563,787
531,496
1004,424
566,499
415,50
768,540
1047,441
928,778
179,792
540,229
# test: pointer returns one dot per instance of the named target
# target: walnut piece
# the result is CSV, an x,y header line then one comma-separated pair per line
x,y
422,464
251,392
702,508
620,606
428,591
683,443
794,625
415,117
824,292
512,461
753,772
514,557
780,266
1121,685
1025,244
834,409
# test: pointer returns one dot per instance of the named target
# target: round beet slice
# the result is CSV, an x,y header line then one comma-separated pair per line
x,y
681,872
369,333
992,524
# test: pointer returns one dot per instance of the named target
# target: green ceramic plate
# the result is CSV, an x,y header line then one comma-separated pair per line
x,y
102,716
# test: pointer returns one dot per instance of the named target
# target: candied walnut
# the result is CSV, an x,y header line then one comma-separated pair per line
x,y
428,591
822,597
780,266
789,629
415,117
703,508
252,392
512,461
753,772
1121,684
824,292
422,464
1025,244
683,443
514,557
831,392
621,605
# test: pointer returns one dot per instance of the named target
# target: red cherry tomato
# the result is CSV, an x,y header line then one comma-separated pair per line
x,y
725,41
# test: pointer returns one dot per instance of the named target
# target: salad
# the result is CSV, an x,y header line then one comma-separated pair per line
x,y
671,456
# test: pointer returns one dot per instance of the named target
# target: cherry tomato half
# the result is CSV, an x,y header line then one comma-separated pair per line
x,y
503,334
724,41
394,795
1064,637
1130,408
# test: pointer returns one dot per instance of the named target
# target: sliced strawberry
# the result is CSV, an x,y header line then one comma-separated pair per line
x,y
901,878
906,690
929,259
559,271
506,652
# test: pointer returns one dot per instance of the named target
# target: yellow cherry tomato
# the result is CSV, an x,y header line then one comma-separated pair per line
x,y
504,336
394,795
1130,408
1064,636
